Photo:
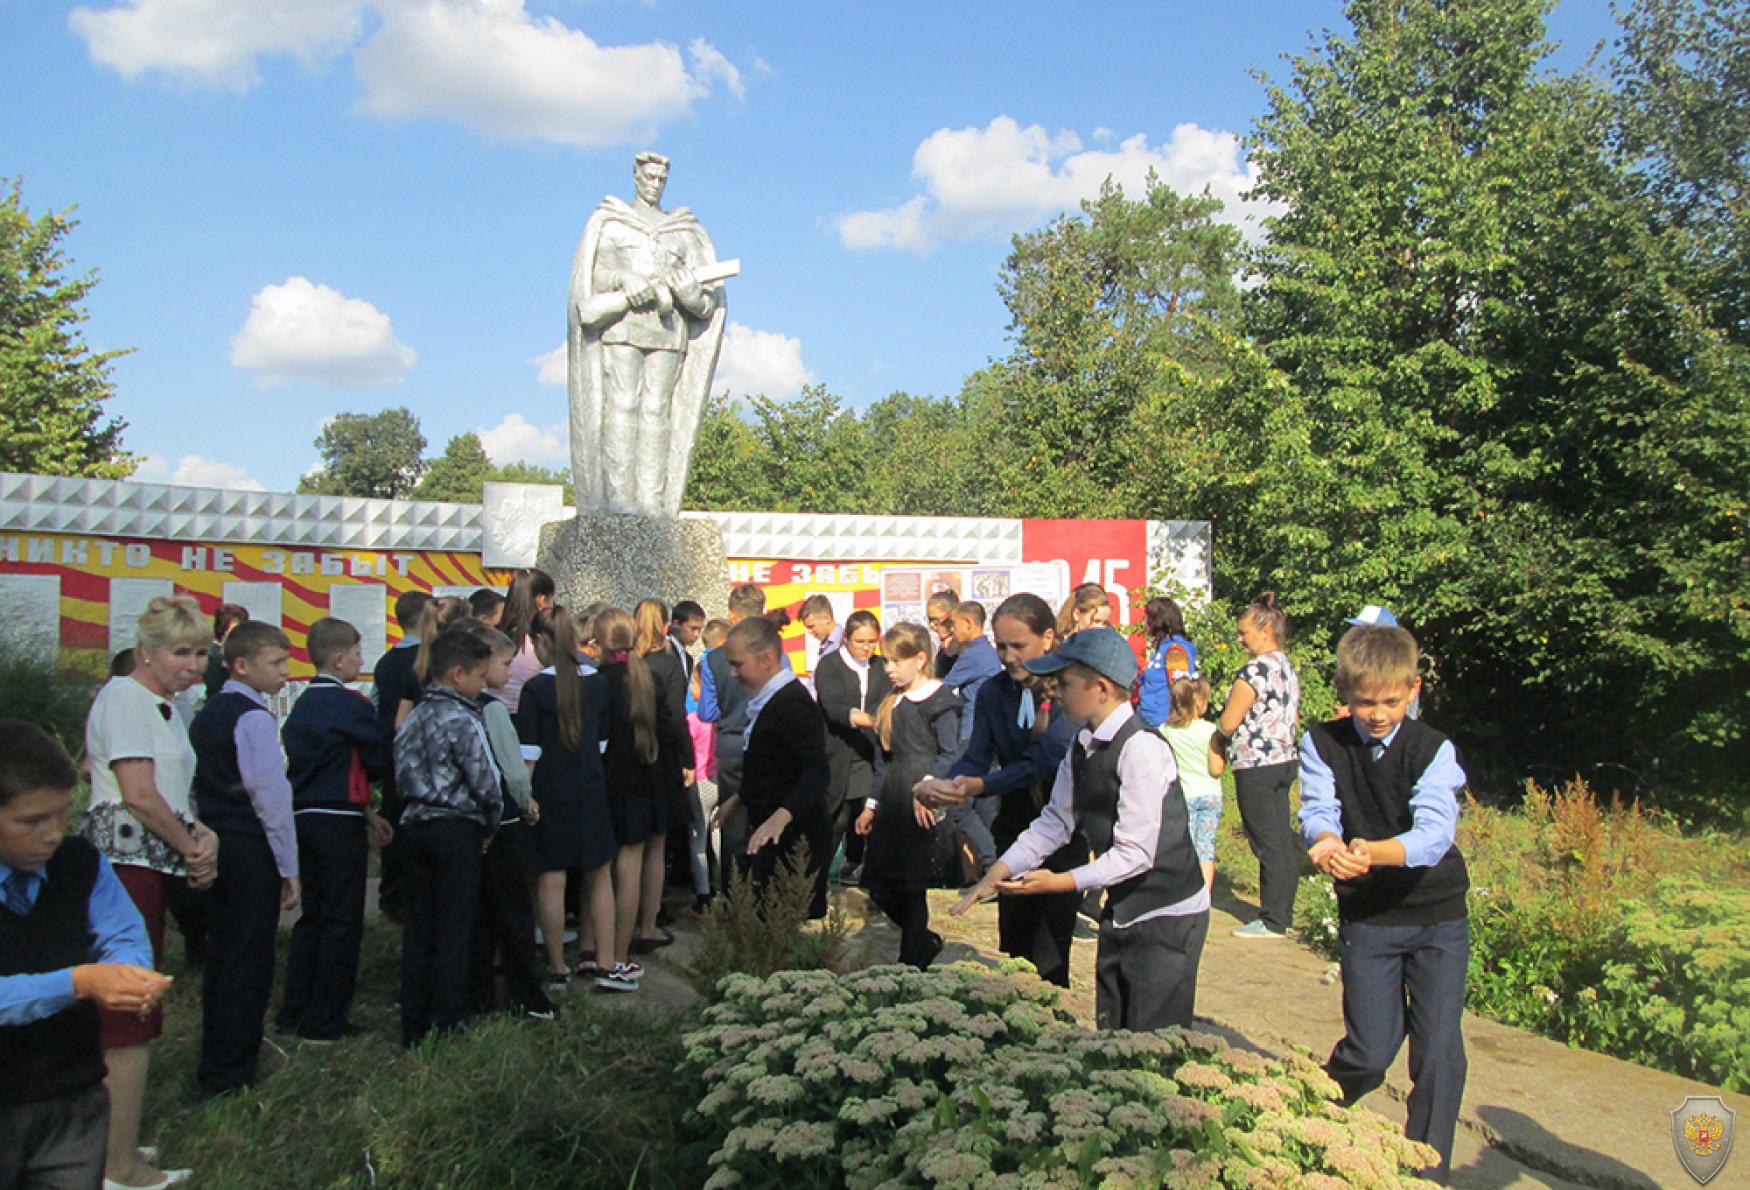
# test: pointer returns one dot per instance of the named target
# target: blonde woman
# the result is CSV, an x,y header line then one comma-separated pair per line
x,y
140,817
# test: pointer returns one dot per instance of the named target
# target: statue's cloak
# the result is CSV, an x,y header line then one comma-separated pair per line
x,y
680,231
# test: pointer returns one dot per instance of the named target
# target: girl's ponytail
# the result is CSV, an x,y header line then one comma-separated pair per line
x,y
618,637
555,628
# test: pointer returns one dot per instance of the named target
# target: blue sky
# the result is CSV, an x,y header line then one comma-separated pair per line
x,y
305,207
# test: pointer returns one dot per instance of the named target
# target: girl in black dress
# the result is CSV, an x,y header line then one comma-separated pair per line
x,y
675,758
919,728
639,786
565,714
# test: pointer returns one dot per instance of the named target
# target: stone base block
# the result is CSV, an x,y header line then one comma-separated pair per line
x,y
622,559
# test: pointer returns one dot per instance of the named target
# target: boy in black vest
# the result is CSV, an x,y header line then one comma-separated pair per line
x,y
70,941
1119,788
1389,786
785,773
336,748
241,789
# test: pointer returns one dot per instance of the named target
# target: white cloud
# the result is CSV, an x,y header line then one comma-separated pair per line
x,y
309,332
492,66
214,43
517,440
1003,178
195,471
489,65
552,365
762,362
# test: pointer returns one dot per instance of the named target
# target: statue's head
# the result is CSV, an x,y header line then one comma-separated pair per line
x,y
650,176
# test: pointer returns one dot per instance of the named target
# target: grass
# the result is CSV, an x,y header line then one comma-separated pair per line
x,y
587,1100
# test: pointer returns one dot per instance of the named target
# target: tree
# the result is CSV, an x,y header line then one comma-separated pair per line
x,y
53,388
732,467
1682,78
1106,308
1509,416
369,454
458,474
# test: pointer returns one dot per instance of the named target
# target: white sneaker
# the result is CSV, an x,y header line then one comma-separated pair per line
x,y
171,1177
618,979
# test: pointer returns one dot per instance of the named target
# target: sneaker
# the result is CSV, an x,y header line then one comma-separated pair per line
x,y
619,979
539,1014
556,982
1256,929
634,971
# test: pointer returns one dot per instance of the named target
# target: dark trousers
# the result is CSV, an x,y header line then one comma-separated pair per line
x,y
442,882
1409,981
910,911
391,861
505,928
243,914
322,962
1262,794
1145,975
188,908
973,819
843,819
815,830
56,1144
1039,929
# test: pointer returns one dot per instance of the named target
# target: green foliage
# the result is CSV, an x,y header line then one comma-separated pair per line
x,y
757,933
53,387
963,1076
458,474
369,454
39,690
587,1100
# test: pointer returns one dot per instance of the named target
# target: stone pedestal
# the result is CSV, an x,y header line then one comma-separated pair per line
x,y
622,559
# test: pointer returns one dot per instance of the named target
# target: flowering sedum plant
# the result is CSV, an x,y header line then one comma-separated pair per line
x,y
967,1077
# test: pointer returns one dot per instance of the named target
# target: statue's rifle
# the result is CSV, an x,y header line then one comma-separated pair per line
x,y
605,307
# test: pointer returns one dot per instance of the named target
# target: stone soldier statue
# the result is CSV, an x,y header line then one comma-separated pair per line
x,y
645,322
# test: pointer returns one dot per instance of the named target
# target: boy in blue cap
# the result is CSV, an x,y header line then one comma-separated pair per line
x,y
1120,789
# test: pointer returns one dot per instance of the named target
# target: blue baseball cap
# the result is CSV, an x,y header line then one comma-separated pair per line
x,y
1103,650
1373,616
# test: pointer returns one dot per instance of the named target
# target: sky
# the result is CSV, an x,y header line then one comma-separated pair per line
x,y
299,208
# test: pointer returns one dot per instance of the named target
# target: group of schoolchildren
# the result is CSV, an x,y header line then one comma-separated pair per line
x,y
1036,738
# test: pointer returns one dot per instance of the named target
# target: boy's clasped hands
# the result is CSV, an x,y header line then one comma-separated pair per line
x,y
1341,861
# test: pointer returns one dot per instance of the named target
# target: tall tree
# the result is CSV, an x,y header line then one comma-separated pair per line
x,y
1105,307
732,467
458,474
53,388
369,454
1509,413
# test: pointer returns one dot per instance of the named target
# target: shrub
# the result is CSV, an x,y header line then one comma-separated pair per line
x,y
757,932
36,688
963,1076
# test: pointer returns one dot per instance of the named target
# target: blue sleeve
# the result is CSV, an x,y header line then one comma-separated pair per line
x,y
1319,810
1038,765
1433,809
118,935
981,750
708,709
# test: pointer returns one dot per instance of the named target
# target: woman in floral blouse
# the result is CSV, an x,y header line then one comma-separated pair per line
x,y
1260,724
140,818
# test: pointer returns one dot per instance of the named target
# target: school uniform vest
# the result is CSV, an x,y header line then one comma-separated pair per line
x,y
324,764
1176,873
1375,800
56,1056
220,795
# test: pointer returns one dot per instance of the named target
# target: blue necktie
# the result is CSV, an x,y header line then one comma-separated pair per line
x,y
16,893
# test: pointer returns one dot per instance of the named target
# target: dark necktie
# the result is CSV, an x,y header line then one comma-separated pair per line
x,y
16,892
